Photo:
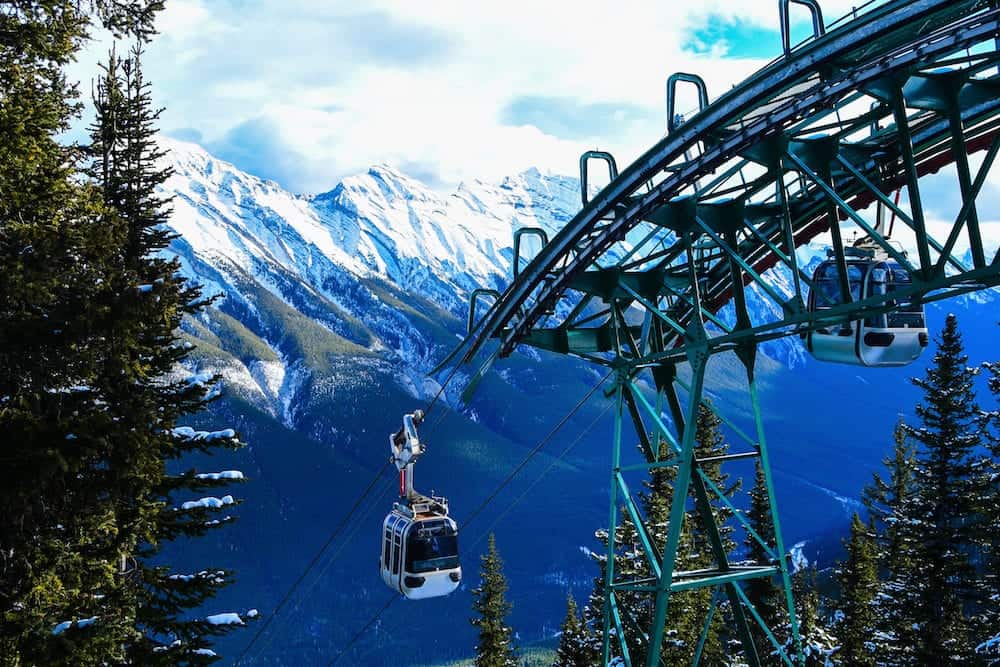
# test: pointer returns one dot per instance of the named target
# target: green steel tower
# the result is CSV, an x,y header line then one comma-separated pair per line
x,y
650,280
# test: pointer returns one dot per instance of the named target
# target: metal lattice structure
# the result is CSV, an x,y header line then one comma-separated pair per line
x,y
652,275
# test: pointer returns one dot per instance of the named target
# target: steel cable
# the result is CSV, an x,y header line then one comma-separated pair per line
x,y
284,600
531,454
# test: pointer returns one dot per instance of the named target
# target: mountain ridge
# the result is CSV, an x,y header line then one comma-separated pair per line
x,y
334,308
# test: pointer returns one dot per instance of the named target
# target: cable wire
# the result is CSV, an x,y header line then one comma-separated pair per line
x,y
538,479
312,563
453,353
537,448
359,633
266,644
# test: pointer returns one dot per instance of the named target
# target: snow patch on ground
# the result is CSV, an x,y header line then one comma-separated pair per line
x,y
269,376
238,378
292,382
799,560
188,433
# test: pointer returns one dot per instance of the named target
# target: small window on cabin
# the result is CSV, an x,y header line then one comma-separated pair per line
x,y
431,548
878,281
827,284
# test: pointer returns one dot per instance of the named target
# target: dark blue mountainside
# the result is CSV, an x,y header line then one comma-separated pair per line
x,y
335,308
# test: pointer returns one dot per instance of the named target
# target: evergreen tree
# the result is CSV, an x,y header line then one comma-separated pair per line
x,y
988,622
945,505
58,587
138,381
897,539
572,651
818,642
495,647
89,391
764,593
593,612
859,588
687,610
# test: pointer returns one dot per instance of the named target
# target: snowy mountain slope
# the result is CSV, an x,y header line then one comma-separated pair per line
x,y
378,270
337,258
334,309
381,262
378,225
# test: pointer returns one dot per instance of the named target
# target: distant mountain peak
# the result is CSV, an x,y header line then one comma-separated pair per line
x,y
380,223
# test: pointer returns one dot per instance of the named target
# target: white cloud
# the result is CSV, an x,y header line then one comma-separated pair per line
x,y
328,89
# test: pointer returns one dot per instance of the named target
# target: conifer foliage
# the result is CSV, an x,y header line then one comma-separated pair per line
x,y
139,381
573,647
91,386
989,618
944,505
896,540
495,646
859,585
688,609
763,592
818,641
935,516
51,266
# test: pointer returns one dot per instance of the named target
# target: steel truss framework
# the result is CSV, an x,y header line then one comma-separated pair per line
x,y
652,275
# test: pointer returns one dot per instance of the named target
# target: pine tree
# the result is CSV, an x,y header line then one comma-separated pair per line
x,y
818,642
593,612
859,587
495,648
57,583
988,621
687,610
572,651
897,540
138,382
764,593
945,504
86,349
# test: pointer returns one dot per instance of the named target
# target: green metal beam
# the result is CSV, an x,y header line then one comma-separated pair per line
x,y
831,193
943,251
724,578
912,181
677,511
610,610
969,195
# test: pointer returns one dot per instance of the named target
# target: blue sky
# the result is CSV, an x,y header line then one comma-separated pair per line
x,y
306,92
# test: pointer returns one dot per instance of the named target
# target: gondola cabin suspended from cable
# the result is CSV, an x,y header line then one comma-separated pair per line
x,y
419,555
890,339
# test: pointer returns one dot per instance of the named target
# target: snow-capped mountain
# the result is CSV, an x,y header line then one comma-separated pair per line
x,y
379,268
334,308
332,258
380,224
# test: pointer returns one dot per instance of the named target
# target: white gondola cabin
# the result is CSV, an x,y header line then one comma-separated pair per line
x,y
891,339
419,556
420,551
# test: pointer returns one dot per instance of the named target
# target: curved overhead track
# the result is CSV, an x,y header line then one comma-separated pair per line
x,y
642,278
836,124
